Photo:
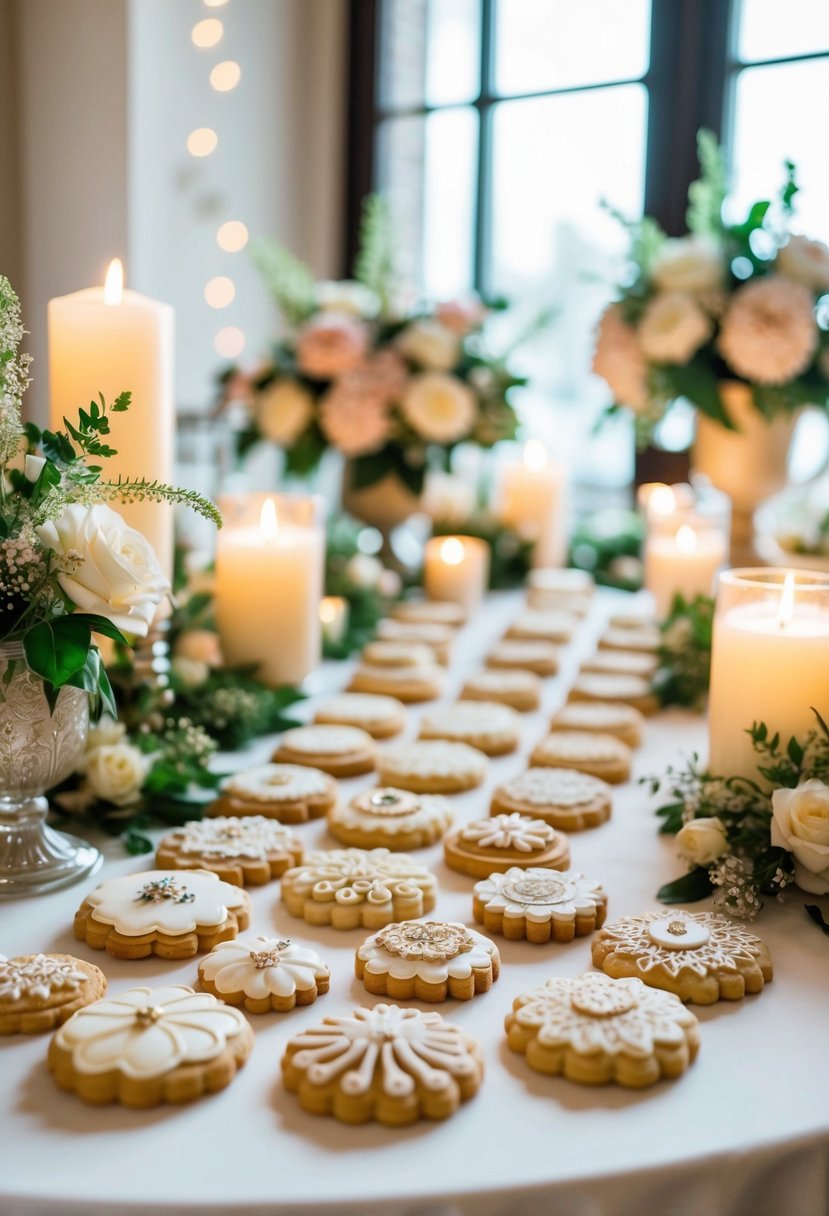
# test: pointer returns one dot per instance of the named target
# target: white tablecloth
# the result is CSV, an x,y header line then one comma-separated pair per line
x,y
746,1130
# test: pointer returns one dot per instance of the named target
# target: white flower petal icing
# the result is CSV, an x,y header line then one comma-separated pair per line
x,y
514,831
261,966
539,895
38,977
715,943
252,836
164,901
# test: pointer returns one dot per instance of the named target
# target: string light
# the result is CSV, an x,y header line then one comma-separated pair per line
x,y
202,141
214,3
207,33
229,342
232,236
225,76
220,291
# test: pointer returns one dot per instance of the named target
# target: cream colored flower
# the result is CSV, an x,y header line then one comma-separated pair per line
x,y
620,362
200,645
768,333
105,732
441,408
800,824
430,344
283,411
115,772
702,841
114,571
805,261
364,570
347,297
688,263
190,673
673,328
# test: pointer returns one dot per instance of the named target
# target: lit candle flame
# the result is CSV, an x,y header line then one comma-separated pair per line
x,y
535,455
785,609
686,539
268,522
330,608
451,551
662,500
114,282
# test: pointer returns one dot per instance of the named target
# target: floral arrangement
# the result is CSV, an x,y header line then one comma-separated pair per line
x,y
386,385
684,672
744,301
744,839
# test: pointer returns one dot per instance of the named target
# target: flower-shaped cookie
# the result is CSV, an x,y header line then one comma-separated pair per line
x,y
494,845
264,974
397,819
700,956
594,1030
353,888
40,991
390,1064
427,962
170,913
539,905
147,1046
244,851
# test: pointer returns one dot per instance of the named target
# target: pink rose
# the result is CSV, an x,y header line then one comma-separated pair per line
x,y
329,345
461,316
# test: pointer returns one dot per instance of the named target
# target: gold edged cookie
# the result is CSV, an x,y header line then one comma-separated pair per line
x,y
395,819
568,800
358,888
246,851
264,974
340,751
290,793
541,658
539,905
428,961
521,690
502,842
599,755
383,717
601,717
488,726
431,766
41,991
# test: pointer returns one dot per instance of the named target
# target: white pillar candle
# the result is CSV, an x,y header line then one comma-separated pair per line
x,y
769,663
532,500
685,563
334,618
456,568
107,340
269,581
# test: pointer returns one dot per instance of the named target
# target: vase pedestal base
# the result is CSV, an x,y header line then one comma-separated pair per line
x,y
35,858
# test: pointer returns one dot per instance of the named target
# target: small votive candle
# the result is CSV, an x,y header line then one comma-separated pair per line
x,y
686,542
334,618
532,500
456,568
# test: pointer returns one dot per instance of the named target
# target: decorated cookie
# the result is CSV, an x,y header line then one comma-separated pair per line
x,y
147,1046
245,851
174,914
602,717
340,751
603,756
543,625
358,888
541,658
561,581
407,684
497,844
396,819
431,766
539,905
572,602
40,991
646,639
622,663
391,1064
633,620
593,1030
382,717
427,961
492,728
397,654
420,633
264,974
519,689
290,793
568,800
630,690
428,612
699,956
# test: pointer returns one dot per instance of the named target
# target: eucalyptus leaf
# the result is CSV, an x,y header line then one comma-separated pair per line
x,y
691,887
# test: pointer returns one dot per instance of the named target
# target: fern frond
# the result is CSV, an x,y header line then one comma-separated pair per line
x,y
289,281
707,195
374,264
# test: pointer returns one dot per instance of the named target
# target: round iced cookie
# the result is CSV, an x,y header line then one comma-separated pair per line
x,y
629,690
427,961
397,654
632,620
170,913
428,612
147,1046
40,991
501,842
601,717
390,1063
291,793
699,956
541,658
407,684
539,905
246,851
622,663
646,640
264,974
521,690
419,633
573,602
593,1030
358,888
543,625
382,717
396,819
599,755
340,751
568,800
561,580
492,728
431,766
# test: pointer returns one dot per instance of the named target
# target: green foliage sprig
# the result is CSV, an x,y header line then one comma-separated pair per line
x,y
685,653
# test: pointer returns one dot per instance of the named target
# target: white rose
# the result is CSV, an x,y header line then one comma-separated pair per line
x,y
673,327
347,297
116,772
200,646
114,571
190,672
32,467
702,841
447,498
806,261
364,570
688,263
430,344
800,824
440,408
104,733
283,411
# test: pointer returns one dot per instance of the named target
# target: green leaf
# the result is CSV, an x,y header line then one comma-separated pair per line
x,y
57,649
692,886
374,265
289,281
817,916
102,625
135,843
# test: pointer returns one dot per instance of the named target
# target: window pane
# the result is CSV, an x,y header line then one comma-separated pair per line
x,y
554,44
428,170
429,52
779,115
766,33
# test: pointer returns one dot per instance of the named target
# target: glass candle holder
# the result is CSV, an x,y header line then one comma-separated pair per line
x,y
686,541
456,568
769,663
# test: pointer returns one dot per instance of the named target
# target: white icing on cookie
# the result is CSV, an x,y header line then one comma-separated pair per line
x,y
394,812
432,951
38,977
358,708
554,787
504,681
595,715
717,943
433,758
324,740
539,895
572,746
147,1032
262,967
164,901
612,687
354,876
271,783
254,836
544,623
517,650
515,831
471,718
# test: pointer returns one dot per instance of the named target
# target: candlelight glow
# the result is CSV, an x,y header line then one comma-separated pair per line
x,y
686,539
535,455
220,292
207,33
330,608
225,76
202,141
786,606
114,282
268,522
232,236
229,342
451,551
662,500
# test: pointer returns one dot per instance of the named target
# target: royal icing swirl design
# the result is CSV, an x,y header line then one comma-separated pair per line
x,y
253,837
432,758
597,1014
145,1032
161,901
710,943
401,1048
433,951
352,876
262,967
539,895
432,941
271,783
554,787
515,831
37,978
324,740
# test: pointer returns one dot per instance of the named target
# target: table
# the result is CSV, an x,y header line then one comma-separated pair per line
x,y
745,1130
